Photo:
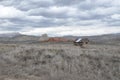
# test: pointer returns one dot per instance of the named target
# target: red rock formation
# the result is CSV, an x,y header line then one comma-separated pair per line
x,y
57,39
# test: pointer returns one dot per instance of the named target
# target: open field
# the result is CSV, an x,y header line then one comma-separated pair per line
x,y
54,61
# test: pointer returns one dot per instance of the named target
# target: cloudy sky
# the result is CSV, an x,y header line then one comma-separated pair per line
x,y
60,17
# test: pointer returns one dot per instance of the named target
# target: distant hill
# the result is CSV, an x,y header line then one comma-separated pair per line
x,y
10,34
105,39
17,37
25,38
97,37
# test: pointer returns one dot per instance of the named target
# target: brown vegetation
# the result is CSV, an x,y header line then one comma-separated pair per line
x,y
59,62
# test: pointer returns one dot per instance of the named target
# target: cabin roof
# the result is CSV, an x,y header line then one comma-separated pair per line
x,y
78,39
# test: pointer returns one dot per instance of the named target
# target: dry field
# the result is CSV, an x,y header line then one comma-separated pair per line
x,y
59,62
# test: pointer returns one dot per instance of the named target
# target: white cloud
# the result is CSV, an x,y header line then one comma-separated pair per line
x,y
5,31
115,3
34,18
77,31
10,12
60,17
104,11
116,16
56,9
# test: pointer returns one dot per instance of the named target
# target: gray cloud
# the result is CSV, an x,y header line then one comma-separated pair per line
x,y
67,2
32,4
16,15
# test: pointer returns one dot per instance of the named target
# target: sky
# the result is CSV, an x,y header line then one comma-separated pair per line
x,y
60,17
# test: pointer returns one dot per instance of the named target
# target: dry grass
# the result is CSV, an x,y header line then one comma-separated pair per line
x,y
59,62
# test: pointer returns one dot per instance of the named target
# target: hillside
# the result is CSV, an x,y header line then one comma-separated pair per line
x,y
25,38
102,39
19,38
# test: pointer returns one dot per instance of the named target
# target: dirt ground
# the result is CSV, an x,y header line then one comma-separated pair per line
x,y
62,61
